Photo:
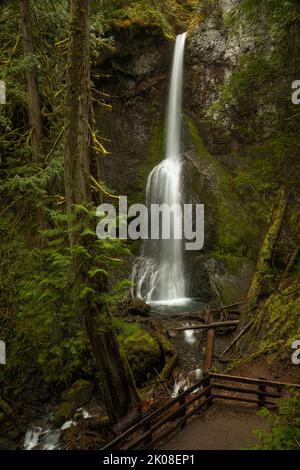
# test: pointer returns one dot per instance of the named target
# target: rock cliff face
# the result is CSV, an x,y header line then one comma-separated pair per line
x,y
136,77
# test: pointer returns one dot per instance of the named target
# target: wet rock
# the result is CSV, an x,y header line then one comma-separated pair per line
x,y
64,412
139,307
79,393
97,423
230,286
143,353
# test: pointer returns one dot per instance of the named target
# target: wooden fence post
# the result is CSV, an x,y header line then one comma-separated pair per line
x,y
210,338
147,428
206,385
261,395
183,412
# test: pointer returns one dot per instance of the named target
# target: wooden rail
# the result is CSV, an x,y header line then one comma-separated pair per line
x,y
176,413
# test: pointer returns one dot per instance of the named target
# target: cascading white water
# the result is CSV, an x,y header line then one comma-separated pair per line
x,y
158,274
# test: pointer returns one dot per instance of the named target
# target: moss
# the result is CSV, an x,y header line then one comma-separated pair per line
x,y
138,307
232,263
125,328
263,281
166,346
63,413
154,155
202,151
143,353
236,229
79,392
166,17
281,314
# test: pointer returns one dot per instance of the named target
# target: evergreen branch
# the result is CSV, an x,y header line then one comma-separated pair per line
x,y
99,187
55,143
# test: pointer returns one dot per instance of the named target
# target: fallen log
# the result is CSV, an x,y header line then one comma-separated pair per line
x,y
129,420
170,365
210,341
236,338
161,381
96,423
220,324
198,315
225,307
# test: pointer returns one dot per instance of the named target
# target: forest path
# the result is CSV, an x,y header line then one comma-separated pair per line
x,y
221,427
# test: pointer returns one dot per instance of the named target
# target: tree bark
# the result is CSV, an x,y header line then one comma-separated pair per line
x,y
263,282
34,112
117,383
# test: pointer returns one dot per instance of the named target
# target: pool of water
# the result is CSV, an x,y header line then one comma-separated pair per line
x,y
184,305
187,342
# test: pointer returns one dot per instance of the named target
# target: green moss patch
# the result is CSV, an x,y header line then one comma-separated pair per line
x,y
235,227
143,350
282,321
166,17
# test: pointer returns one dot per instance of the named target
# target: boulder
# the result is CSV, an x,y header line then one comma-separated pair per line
x,y
139,307
143,353
230,283
79,393
64,412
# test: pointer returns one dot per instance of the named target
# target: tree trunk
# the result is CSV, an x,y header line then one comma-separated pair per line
x,y
118,386
263,280
263,283
34,112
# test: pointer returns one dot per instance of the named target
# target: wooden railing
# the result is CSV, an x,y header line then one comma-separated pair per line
x,y
175,414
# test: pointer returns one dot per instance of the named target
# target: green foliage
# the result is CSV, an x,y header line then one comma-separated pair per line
x,y
236,229
256,100
165,17
276,16
39,317
281,314
284,433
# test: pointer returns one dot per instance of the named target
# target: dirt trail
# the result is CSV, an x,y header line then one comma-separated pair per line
x,y
222,427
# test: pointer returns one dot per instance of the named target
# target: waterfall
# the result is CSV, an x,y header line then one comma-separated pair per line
x,y
158,275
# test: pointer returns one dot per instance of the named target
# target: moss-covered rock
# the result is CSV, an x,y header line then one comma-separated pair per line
x,y
79,393
230,229
63,413
230,277
229,224
139,307
145,347
161,18
143,353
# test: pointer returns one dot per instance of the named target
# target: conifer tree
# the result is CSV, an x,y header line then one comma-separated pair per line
x,y
118,386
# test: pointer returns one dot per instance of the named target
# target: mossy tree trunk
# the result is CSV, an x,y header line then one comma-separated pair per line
x,y
34,112
263,282
117,383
